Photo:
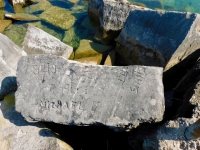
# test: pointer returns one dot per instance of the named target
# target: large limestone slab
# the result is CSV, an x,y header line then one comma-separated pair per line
x,y
37,41
53,89
158,38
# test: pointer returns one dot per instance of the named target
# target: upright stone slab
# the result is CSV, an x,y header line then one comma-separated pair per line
x,y
37,41
53,89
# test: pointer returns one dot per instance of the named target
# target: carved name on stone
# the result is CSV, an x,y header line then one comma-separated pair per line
x,y
51,88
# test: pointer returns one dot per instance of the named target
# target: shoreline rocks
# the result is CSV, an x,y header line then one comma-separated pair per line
x,y
79,94
37,41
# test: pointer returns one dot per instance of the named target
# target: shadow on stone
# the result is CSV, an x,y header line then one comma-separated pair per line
x,y
8,85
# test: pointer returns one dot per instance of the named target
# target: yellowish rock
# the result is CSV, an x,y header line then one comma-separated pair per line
x,y
73,1
59,17
95,60
110,60
41,5
87,48
2,3
4,24
21,16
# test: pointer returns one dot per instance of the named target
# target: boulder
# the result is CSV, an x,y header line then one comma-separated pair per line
x,y
18,5
10,53
110,16
22,16
59,17
88,48
4,24
37,41
153,38
18,134
79,94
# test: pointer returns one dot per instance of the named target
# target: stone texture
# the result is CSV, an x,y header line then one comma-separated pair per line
x,y
110,60
18,134
18,5
37,41
59,17
110,16
2,4
171,136
10,53
22,16
79,94
153,38
4,24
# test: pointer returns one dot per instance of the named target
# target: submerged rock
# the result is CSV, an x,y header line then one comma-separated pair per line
x,y
4,24
37,41
16,32
18,134
40,5
59,17
79,94
89,48
22,16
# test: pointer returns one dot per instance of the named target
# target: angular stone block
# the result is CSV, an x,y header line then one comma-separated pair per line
x,y
39,42
53,89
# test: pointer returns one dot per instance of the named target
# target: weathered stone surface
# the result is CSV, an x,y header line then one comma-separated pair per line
x,y
171,136
22,16
2,3
59,17
110,15
18,5
110,60
18,134
9,56
73,93
4,24
153,38
37,41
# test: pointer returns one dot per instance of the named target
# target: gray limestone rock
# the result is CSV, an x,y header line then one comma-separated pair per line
x,y
17,134
158,38
110,15
10,53
37,41
53,89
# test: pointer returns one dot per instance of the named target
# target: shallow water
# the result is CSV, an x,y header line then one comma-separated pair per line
x,y
17,30
178,5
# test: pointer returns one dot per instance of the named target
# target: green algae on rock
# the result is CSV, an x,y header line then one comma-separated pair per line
x,y
42,5
4,24
88,48
59,17
22,16
70,38
16,33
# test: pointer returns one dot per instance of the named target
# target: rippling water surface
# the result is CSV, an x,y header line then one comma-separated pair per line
x,y
179,5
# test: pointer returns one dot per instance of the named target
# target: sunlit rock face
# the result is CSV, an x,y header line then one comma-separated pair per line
x,y
39,42
73,93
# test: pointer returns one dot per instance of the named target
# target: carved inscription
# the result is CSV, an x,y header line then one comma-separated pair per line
x,y
64,91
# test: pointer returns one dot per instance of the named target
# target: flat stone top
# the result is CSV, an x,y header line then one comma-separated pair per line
x,y
51,88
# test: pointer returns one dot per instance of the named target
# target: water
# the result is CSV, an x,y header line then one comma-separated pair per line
x,y
177,5
82,29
